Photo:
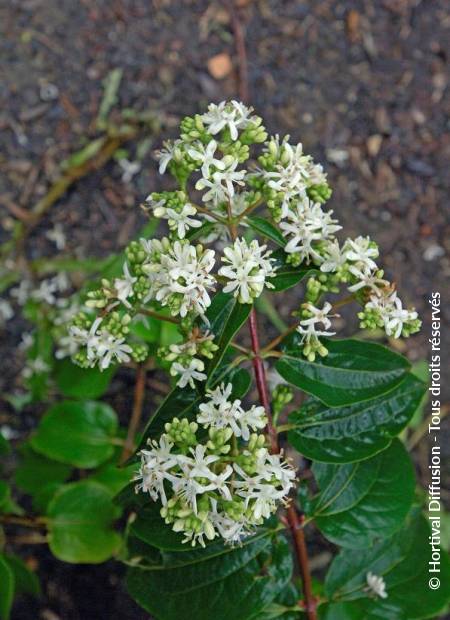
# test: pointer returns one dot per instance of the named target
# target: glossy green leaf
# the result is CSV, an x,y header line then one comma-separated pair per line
x,y
88,444
266,229
80,525
25,581
402,561
352,371
6,588
354,432
231,586
363,502
226,317
35,470
76,382
287,276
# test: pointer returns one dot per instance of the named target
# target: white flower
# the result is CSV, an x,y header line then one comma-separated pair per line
x,y
219,482
334,258
187,487
231,531
390,309
361,251
189,374
247,267
124,286
130,169
166,154
205,154
253,418
21,293
376,585
35,366
56,234
366,279
219,412
181,221
155,466
233,115
45,292
273,466
181,273
6,311
305,226
221,185
102,347
308,327
200,462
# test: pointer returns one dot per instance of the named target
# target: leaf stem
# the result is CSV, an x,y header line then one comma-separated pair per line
x,y
136,415
159,317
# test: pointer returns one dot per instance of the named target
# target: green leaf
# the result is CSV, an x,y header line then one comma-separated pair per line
x,y
76,382
35,470
80,525
78,433
287,276
231,586
7,503
114,478
25,581
6,588
4,493
4,446
266,229
363,502
402,561
226,317
357,431
353,370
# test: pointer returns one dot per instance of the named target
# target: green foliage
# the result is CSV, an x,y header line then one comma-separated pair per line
x,y
352,372
80,523
348,509
6,588
76,382
248,577
344,434
402,561
92,426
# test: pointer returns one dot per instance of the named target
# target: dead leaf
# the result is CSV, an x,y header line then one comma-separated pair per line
x,y
220,66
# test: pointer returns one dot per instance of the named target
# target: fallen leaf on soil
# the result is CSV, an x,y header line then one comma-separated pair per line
x,y
220,66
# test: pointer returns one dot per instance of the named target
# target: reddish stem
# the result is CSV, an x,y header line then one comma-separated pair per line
x,y
261,381
293,519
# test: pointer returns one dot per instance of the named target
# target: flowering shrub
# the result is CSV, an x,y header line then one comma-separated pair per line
x,y
213,486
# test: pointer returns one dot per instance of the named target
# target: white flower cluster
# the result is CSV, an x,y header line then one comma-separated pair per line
x,y
290,174
179,275
102,347
306,227
247,267
213,489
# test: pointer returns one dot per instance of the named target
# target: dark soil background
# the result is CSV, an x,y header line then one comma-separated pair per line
x,y
363,84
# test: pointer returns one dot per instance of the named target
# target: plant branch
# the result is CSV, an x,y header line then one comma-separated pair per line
x,y
159,317
136,415
8,519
